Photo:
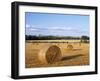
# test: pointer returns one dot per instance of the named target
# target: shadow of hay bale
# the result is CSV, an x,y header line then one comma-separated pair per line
x,y
71,57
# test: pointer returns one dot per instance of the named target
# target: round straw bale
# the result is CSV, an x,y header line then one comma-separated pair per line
x,y
70,47
50,54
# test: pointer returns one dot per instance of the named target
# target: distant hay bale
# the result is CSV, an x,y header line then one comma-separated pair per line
x,y
70,47
50,54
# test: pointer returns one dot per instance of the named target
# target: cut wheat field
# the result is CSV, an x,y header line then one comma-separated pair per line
x,y
77,56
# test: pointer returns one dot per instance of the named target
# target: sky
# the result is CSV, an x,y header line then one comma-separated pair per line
x,y
56,24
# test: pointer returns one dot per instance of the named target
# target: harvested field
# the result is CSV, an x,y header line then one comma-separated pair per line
x,y
73,53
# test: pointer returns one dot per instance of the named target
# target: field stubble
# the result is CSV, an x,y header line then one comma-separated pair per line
x,y
79,55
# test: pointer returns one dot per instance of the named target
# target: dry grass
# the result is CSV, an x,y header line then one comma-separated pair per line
x,y
79,55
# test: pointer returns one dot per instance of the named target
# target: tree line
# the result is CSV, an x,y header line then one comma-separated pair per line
x,y
34,37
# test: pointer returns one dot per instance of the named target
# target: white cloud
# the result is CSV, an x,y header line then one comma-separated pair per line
x,y
61,28
52,29
33,29
27,25
55,28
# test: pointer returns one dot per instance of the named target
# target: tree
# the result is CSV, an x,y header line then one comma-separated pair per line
x,y
84,39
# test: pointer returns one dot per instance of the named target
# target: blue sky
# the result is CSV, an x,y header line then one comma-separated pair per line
x,y
56,24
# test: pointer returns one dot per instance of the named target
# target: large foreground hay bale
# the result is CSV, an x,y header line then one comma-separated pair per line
x,y
50,54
